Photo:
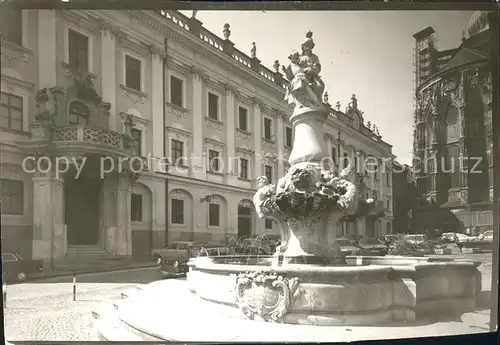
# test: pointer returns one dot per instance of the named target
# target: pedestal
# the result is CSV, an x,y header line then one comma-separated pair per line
x,y
309,146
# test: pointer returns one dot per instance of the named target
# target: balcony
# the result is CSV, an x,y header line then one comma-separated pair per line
x,y
79,140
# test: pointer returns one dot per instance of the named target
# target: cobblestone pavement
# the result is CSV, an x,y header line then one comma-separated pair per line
x,y
44,310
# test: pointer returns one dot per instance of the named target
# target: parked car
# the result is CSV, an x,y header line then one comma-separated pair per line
x,y
388,239
17,269
415,238
455,237
174,263
371,246
181,246
347,246
483,241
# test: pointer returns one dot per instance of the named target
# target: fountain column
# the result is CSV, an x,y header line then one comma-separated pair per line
x,y
309,198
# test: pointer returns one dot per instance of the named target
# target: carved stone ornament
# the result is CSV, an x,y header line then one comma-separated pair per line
x,y
267,295
226,32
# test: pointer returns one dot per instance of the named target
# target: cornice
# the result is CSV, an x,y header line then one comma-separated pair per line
x,y
186,38
215,142
82,19
245,150
176,130
27,86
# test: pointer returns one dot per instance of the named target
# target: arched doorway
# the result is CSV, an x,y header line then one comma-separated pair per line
x,y
245,215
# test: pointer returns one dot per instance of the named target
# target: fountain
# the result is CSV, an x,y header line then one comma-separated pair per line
x,y
308,287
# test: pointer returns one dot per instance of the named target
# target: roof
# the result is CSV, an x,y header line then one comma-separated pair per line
x,y
464,56
424,33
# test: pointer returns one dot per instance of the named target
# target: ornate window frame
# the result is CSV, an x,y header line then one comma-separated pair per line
x,y
180,76
215,145
90,58
245,153
135,56
20,88
140,124
220,117
181,135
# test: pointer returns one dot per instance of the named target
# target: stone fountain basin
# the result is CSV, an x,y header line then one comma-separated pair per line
x,y
365,291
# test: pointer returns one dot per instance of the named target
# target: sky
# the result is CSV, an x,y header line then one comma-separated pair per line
x,y
368,53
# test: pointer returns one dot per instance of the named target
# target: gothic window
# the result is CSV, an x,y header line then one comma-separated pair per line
x,y
452,125
79,114
422,136
453,165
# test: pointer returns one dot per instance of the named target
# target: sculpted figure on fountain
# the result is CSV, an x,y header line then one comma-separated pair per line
x,y
306,87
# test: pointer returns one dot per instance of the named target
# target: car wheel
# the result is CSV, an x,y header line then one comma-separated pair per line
x,y
158,259
21,276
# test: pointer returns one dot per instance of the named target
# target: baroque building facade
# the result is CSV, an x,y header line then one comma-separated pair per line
x,y
453,137
123,131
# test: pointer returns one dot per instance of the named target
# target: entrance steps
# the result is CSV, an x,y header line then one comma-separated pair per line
x,y
87,253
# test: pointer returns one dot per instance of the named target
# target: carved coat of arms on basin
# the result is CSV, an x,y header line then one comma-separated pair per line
x,y
267,295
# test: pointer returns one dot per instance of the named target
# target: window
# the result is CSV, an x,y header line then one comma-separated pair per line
x,y
334,154
78,51
213,160
133,73
213,106
136,208
452,125
137,135
388,203
79,114
11,25
243,168
356,164
12,197
453,165
267,128
288,136
213,214
177,152
11,111
375,171
176,91
346,160
268,170
177,211
243,119
269,224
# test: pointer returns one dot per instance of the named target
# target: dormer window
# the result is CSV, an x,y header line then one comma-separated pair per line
x,y
79,114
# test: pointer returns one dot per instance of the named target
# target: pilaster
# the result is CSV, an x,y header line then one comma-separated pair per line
x,y
47,72
157,104
108,73
232,169
280,144
49,231
198,160
257,138
123,223
109,203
